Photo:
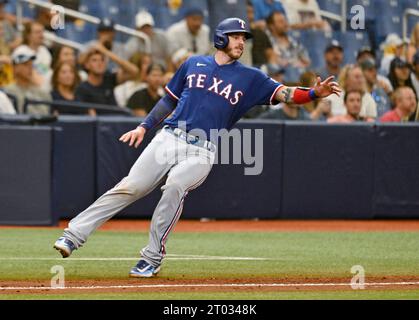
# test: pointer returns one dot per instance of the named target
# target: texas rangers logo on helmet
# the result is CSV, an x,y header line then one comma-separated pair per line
x,y
242,23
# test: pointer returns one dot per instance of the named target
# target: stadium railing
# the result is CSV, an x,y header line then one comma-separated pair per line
x,y
407,13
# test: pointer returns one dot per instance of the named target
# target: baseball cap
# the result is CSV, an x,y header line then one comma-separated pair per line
x,y
194,11
392,39
332,45
399,63
23,54
368,64
106,25
144,18
365,50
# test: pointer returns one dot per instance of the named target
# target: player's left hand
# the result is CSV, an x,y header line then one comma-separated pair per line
x,y
327,87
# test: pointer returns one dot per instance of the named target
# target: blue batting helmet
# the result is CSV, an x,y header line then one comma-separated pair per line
x,y
230,25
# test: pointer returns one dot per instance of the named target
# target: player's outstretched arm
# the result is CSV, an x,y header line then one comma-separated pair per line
x,y
299,95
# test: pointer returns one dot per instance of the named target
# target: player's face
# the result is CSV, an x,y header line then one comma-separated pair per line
x,y
353,104
236,44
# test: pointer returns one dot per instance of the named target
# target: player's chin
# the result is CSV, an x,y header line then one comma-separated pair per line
x,y
236,54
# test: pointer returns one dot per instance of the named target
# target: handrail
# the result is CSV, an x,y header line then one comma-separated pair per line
x,y
62,41
408,12
78,105
81,16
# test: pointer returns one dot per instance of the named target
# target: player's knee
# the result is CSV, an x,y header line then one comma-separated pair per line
x,y
173,187
126,186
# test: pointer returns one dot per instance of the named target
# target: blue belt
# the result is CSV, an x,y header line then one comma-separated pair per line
x,y
191,139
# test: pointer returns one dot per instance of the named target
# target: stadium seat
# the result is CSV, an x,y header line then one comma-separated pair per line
x,y
333,6
79,31
315,42
352,41
222,9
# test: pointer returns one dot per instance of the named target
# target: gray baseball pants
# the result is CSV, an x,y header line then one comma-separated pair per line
x,y
186,166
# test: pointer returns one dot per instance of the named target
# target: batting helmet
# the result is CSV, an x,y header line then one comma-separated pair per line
x,y
230,25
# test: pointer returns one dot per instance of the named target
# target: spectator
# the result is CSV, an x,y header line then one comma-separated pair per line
x,y
63,54
375,86
190,33
100,83
304,14
10,34
351,78
142,101
262,51
333,57
366,53
400,74
288,52
33,38
287,111
106,37
393,47
6,106
415,72
159,45
65,80
413,46
352,101
23,87
263,9
125,90
6,69
320,112
405,105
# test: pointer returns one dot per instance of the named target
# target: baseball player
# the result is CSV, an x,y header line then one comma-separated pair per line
x,y
206,93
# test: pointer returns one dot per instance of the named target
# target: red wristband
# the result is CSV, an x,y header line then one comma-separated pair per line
x,y
303,95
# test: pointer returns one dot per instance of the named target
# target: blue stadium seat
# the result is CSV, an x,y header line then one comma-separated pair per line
x,y
222,9
79,32
352,41
411,20
315,42
333,6
166,16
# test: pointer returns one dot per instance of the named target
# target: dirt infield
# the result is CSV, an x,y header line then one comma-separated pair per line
x,y
162,285
258,225
267,225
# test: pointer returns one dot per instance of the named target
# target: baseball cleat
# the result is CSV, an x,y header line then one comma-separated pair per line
x,y
65,246
143,270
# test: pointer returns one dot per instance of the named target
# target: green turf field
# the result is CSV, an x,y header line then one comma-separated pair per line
x,y
27,255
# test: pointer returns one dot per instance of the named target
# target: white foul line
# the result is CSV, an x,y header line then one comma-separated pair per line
x,y
224,285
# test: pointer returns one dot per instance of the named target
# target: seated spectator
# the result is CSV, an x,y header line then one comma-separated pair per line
x,y
263,9
304,14
366,53
125,90
399,74
415,72
288,52
100,84
65,80
352,100
287,111
405,104
33,38
7,22
6,68
351,78
333,58
393,47
145,99
178,58
23,87
159,44
262,51
106,37
60,55
6,106
413,45
190,33
375,86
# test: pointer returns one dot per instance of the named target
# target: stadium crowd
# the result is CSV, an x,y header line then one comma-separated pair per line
x,y
129,75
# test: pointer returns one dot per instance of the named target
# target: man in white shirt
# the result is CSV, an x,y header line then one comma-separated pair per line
x,y
304,14
190,33
6,106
